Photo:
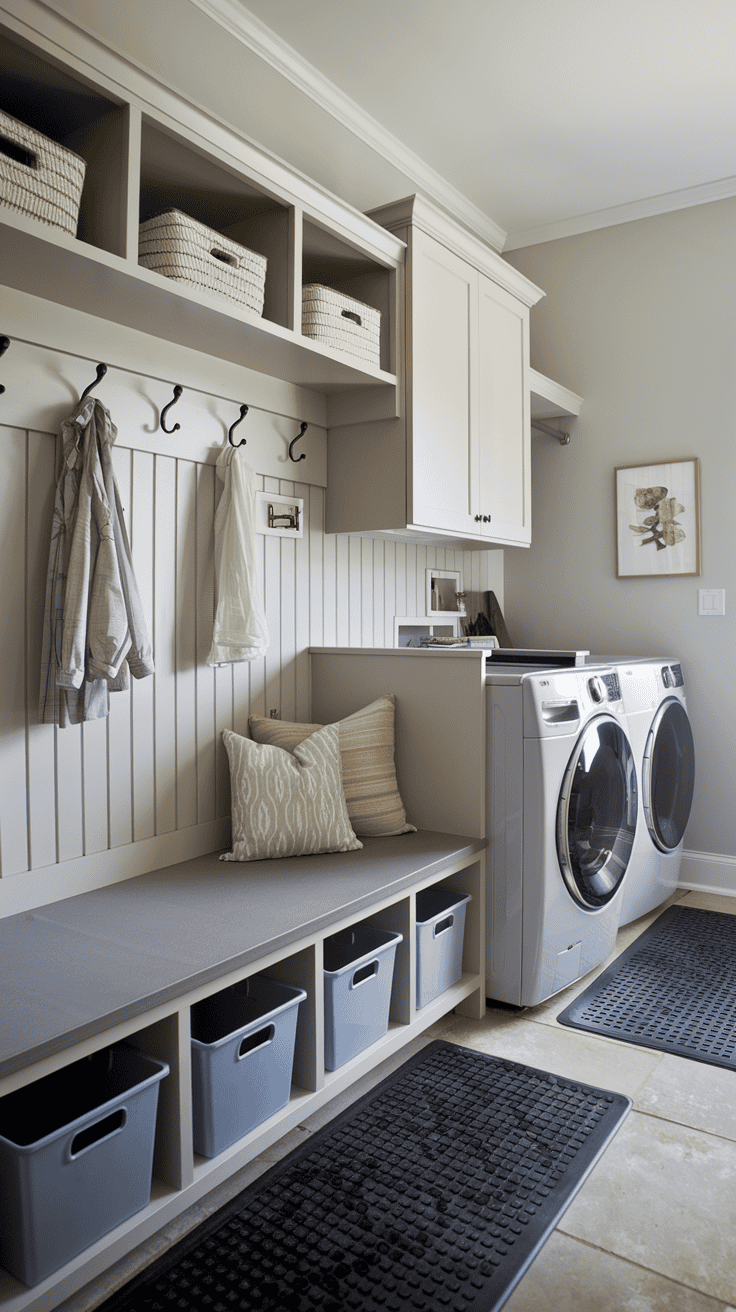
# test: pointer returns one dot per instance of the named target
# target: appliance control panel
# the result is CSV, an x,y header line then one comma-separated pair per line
x,y
605,687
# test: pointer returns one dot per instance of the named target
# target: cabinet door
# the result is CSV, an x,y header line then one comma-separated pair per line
x,y
442,388
504,418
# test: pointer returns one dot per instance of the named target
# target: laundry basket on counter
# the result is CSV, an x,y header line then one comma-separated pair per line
x,y
38,177
340,321
179,247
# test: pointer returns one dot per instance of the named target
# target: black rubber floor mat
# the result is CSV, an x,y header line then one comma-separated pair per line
x,y
673,989
434,1191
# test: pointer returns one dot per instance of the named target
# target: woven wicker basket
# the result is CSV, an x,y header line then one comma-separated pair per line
x,y
38,177
179,247
341,322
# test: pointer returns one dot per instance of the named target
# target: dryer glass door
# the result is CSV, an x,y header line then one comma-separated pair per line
x,y
596,813
668,775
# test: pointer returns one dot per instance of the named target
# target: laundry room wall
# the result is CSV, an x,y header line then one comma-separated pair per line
x,y
639,320
91,804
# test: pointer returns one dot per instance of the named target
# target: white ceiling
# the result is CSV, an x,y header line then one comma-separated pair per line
x,y
550,116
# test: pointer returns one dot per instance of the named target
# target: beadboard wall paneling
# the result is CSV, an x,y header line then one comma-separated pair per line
x,y
86,805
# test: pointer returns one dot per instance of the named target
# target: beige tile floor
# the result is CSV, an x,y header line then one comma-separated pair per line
x,y
653,1228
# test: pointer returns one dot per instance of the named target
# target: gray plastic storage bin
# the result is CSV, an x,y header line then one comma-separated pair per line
x,y
76,1156
440,929
358,974
242,1057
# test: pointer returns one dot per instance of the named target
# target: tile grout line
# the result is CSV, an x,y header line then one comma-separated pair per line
x,y
719,1304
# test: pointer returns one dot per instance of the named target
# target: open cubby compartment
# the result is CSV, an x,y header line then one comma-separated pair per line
x,y
102,1113
336,263
75,113
226,1004
466,881
176,175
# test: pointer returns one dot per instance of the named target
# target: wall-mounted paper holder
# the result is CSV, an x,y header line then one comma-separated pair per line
x,y
280,515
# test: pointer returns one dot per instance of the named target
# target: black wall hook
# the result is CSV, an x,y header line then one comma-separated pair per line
x,y
4,344
100,371
177,393
243,413
302,430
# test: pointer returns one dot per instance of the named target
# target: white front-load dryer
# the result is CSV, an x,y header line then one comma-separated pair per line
x,y
562,801
653,693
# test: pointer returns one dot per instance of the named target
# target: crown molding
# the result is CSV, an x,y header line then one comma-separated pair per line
x,y
638,209
423,213
267,46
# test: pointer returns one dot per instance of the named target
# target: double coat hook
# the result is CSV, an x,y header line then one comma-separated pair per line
x,y
177,393
302,430
101,370
231,429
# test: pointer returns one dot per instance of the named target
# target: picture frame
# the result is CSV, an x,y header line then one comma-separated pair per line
x,y
658,519
444,591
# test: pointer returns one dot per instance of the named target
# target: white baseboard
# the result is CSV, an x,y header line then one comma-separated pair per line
x,y
36,888
708,872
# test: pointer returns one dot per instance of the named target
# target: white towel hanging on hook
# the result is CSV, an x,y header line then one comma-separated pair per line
x,y
240,631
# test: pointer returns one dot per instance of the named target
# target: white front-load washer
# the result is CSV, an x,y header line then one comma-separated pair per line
x,y
653,694
562,802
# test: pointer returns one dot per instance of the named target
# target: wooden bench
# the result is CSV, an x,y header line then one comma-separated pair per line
x,y
128,961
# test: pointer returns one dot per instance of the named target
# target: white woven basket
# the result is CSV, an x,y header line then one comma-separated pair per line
x,y
341,322
38,177
179,247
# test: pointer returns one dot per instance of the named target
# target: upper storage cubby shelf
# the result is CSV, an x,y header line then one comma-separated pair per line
x,y
141,161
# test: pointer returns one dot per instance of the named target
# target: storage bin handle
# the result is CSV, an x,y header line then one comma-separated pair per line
x,y
363,973
98,1132
442,925
350,314
258,1040
224,257
13,150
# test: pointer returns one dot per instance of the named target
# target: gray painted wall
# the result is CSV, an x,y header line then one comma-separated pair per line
x,y
639,319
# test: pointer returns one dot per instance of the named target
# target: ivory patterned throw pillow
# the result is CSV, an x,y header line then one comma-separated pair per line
x,y
368,770
287,803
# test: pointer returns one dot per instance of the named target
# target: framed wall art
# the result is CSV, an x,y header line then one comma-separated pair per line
x,y
658,519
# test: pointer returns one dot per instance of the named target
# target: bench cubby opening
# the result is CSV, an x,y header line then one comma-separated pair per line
x,y
292,907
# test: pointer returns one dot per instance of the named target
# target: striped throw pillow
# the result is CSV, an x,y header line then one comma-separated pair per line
x,y
287,803
368,770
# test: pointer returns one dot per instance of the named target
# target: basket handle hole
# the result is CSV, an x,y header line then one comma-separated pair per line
x,y
365,972
350,314
442,925
224,257
100,1130
257,1040
18,153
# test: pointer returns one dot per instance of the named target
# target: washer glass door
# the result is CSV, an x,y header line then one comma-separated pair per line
x,y
668,775
596,813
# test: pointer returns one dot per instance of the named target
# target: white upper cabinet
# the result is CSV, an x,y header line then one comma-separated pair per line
x,y
442,388
456,463
504,476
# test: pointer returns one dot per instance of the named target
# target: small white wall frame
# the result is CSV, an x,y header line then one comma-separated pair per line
x,y
442,587
284,508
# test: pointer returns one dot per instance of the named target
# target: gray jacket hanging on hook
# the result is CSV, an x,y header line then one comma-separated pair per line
x,y
94,628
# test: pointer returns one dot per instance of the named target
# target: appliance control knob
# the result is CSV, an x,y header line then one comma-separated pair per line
x,y
597,688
